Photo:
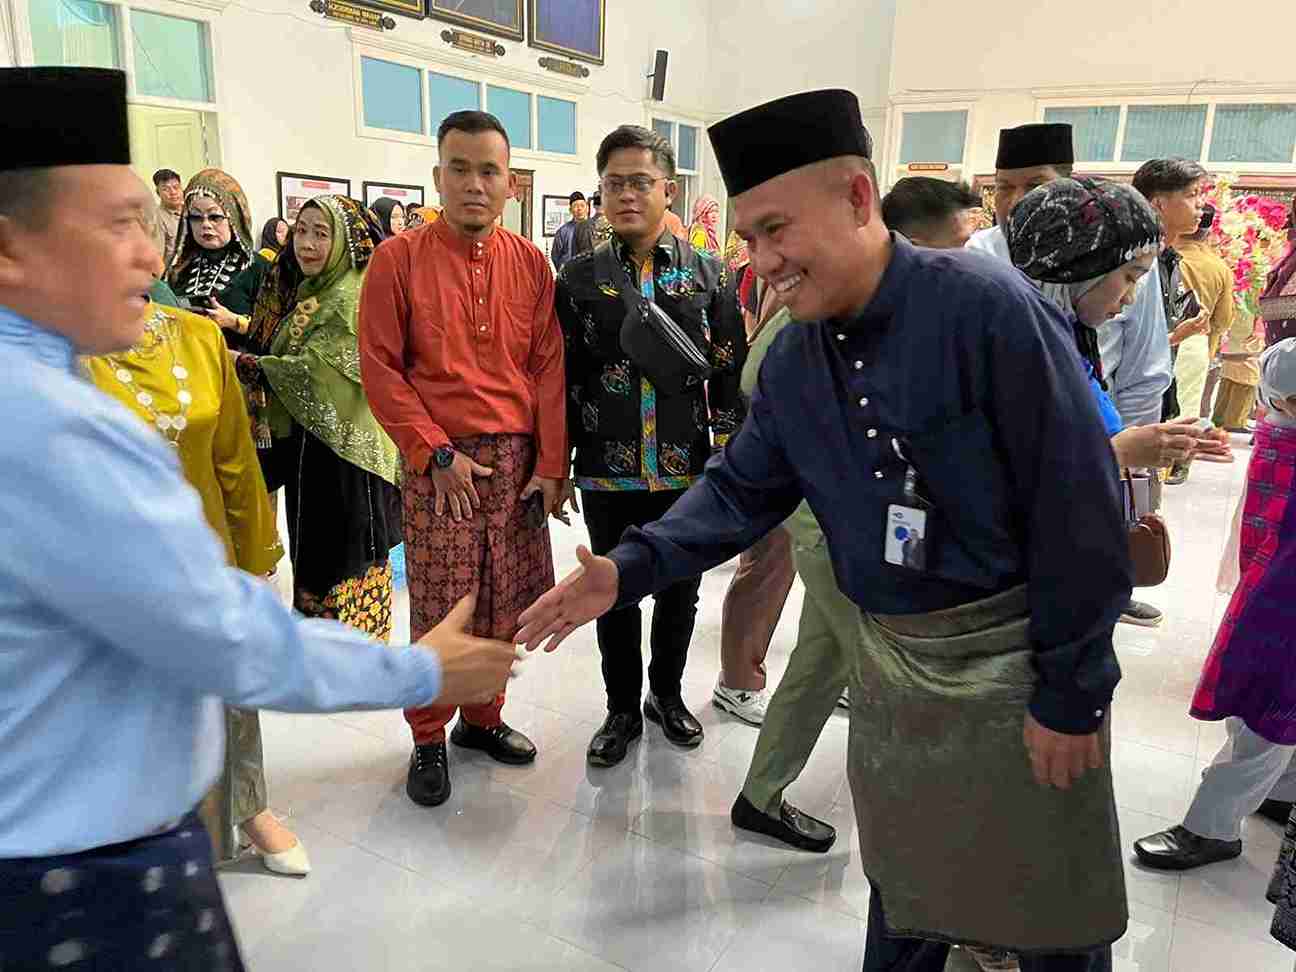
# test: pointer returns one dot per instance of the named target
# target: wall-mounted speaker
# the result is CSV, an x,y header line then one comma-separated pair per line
x,y
659,76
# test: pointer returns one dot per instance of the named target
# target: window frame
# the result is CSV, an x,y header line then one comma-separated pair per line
x,y
409,57
694,183
1210,100
203,12
893,169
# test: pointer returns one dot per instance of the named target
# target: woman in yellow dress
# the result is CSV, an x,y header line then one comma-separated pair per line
x,y
179,379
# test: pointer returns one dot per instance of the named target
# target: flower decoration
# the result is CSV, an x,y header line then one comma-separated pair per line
x,y
1250,234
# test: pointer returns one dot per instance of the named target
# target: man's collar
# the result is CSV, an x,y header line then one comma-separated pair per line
x,y
44,345
665,245
456,242
891,287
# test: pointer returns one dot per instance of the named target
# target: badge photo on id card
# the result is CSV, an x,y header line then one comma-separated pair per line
x,y
906,537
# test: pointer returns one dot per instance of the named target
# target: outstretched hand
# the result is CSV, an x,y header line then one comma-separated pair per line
x,y
473,669
586,593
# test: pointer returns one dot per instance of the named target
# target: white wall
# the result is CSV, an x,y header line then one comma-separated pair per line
x,y
286,89
1003,55
763,49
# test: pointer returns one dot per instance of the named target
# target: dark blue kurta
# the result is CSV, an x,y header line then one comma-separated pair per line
x,y
963,361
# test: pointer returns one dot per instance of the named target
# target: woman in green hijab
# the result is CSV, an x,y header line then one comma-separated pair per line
x,y
316,435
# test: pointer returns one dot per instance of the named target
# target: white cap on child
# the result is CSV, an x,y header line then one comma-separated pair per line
x,y
1278,372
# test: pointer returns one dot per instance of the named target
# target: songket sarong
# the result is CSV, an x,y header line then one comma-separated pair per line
x,y
496,553
963,844
147,903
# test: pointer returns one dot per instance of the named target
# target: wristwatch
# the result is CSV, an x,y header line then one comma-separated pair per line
x,y
444,457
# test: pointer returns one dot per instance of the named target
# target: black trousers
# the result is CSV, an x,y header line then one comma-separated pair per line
x,y
608,515
885,954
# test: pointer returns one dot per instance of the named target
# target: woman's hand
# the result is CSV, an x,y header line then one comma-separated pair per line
x,y
225,317
1190,328
1156,446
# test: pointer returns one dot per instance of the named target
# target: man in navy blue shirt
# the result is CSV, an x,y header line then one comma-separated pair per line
x,y
929,394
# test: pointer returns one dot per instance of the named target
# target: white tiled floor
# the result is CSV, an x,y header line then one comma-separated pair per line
x,y
557,866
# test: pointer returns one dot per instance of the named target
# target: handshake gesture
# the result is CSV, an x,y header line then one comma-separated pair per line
x,y
473,669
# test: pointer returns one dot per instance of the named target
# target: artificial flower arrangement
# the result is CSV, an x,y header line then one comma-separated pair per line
x,y
1250,234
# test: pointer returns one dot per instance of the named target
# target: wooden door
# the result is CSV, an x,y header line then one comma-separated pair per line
x,y
518,211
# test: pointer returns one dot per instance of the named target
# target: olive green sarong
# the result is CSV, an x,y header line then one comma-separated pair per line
x,y
964,845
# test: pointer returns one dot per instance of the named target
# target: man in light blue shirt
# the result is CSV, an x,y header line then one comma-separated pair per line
x,y
1135,344
122,628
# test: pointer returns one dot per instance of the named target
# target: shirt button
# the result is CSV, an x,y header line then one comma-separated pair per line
x,y
872,433
481,300
482,328
841,337
864,402
479,269
859,365
1098,713
877,473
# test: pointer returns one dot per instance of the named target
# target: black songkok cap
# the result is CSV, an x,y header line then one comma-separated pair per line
x,y
760,143
1027,146
57,116
576,196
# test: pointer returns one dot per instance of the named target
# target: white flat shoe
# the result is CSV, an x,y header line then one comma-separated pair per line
x,y
293,862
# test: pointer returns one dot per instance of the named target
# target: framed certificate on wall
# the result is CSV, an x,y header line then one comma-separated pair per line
x,y
554,211
297,189
503,18
573,28
407,196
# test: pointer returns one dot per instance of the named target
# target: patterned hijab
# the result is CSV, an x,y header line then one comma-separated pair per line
x,y
735,252
198,272
312,362
1069,234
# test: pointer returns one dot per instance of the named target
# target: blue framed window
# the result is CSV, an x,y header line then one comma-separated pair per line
x,y
557,125
1253,133
513,109
933,136
1093,130
688,148
170,56
74,33
448,94
1163,131
665,129
392,95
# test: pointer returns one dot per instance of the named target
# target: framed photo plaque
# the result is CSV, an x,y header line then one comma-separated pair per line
x,y
554,210
503,18
573,28
296,189
407,196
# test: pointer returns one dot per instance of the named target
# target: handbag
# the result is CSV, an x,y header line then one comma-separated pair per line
x,y
656,344
1149,541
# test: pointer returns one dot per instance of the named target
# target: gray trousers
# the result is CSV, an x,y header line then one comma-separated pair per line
x,y
1247,771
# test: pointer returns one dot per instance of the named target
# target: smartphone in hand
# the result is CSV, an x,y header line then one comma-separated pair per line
x,y
535,510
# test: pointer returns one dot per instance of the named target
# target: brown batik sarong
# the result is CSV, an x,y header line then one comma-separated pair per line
x,y
508,563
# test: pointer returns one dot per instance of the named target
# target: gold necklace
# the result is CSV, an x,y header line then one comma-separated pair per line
x,y
156,335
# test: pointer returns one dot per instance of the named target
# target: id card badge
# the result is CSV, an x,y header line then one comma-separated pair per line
x,y
906,537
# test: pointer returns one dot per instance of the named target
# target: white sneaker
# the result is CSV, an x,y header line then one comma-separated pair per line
x,y
843,701
748,706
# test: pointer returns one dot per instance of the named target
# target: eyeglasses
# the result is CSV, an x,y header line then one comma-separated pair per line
x,y
613,185
197,219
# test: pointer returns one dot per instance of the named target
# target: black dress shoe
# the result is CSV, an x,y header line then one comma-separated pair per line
x,y
500,743
609,745
792,826
1179,849
676,721
428,783
1276,810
